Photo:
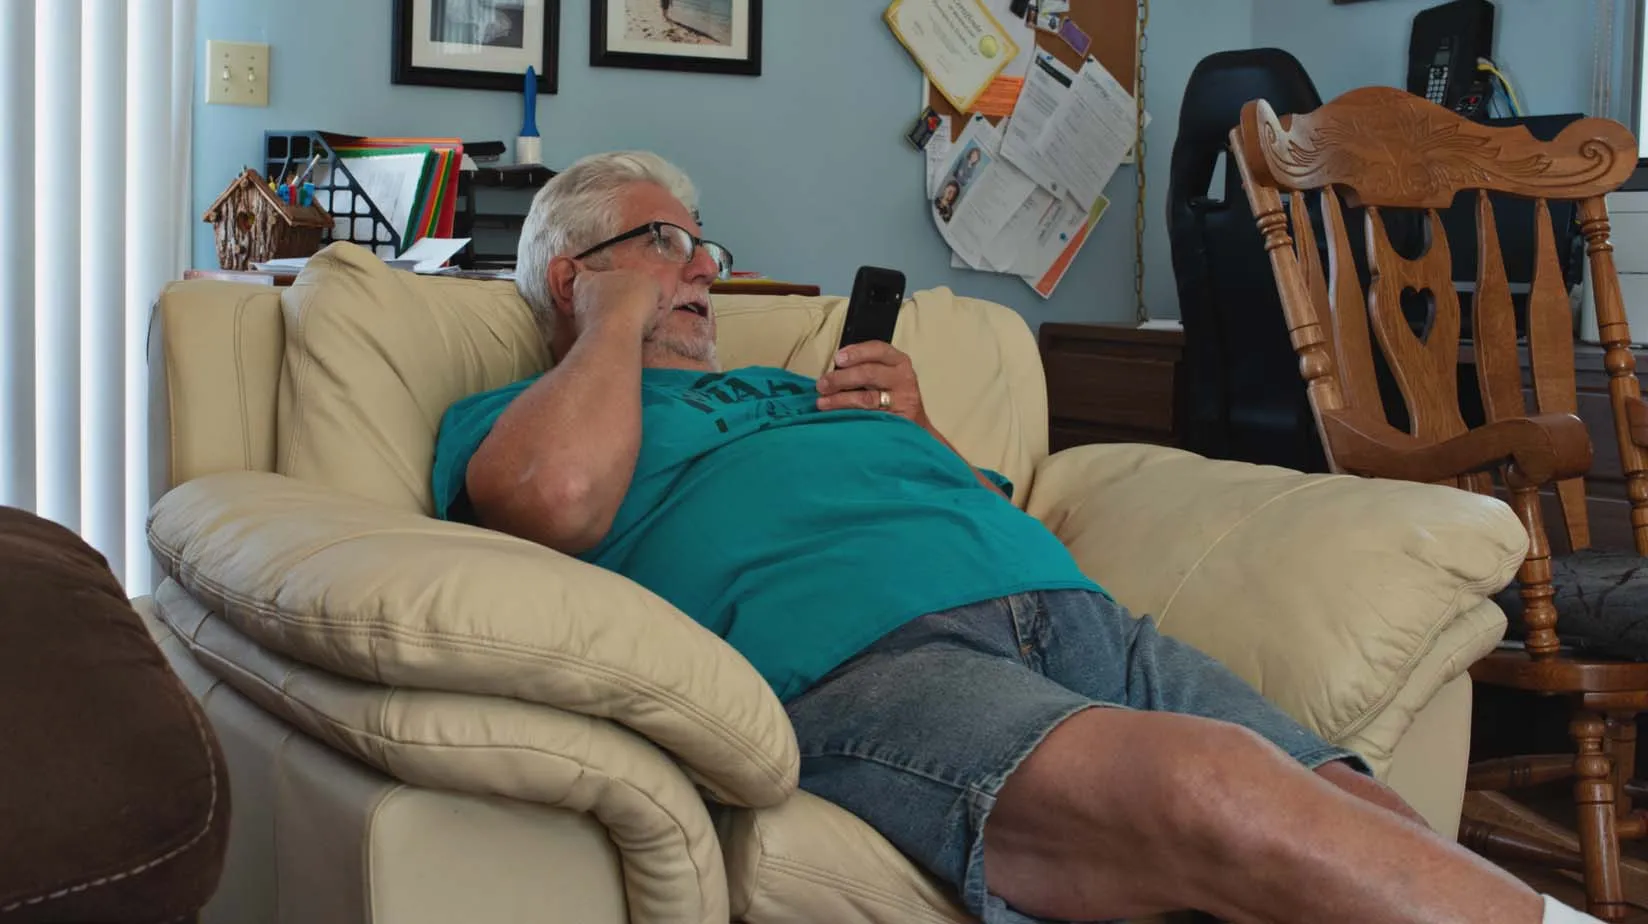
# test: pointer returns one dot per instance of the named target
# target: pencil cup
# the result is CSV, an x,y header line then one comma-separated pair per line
x,y
529,149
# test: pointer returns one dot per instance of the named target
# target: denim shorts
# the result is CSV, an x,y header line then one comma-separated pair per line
x,y
917,734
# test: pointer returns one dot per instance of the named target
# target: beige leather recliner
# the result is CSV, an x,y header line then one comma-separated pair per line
x,y
430,722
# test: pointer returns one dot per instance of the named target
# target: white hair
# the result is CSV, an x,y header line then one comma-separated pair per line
x,y
578,209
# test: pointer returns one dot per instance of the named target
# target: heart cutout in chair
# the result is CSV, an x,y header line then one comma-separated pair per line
x,y
1419,309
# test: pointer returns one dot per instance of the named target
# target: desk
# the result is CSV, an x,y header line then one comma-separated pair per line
x,y
753,287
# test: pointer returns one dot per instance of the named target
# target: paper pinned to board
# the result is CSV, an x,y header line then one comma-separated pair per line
x,y
978,193
1068,133
959,44
938,155
1034,236
1046,86
1086,138
1046,279
999,96
1021,32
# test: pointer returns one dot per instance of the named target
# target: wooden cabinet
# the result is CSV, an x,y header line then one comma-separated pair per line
x,y
1112,383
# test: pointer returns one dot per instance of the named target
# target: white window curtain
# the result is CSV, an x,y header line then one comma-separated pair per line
x,y
94,123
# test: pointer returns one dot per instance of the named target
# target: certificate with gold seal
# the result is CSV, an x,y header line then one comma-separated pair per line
x,y
958,43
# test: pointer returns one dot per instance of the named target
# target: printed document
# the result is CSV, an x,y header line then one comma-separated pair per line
x,y
1089,134
1041,240
1047,85
1036,235
938,155
978,193
1044,276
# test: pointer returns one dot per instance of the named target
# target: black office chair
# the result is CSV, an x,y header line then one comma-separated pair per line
x,y
1244,397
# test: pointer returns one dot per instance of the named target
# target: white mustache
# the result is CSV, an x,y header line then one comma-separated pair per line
x,y
700,297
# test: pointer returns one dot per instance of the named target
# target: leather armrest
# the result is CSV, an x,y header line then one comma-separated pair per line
x,y
673,868
1323,591
397,598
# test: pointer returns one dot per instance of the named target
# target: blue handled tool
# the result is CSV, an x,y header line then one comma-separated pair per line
x,y
529,118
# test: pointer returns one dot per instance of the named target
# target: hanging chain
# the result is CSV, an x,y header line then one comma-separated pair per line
x,y
1140,313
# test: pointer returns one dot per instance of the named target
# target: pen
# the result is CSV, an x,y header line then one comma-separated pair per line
x,y
307,170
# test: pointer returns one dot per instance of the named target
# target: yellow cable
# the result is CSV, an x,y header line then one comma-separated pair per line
x,y
1483,64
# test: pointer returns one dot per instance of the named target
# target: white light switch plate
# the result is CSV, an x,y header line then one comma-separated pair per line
x,y
237,73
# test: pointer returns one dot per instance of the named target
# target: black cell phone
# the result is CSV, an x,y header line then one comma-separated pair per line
x,y
872,312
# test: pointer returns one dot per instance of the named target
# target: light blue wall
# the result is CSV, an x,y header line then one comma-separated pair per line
x,y
816,182
1546,46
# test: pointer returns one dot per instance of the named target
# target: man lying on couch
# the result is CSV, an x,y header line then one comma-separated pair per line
x,y
939,652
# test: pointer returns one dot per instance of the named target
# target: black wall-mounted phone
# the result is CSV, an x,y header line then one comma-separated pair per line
x,y
1442,55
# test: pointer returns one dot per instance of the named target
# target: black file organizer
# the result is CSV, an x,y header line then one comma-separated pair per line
x,y
355,217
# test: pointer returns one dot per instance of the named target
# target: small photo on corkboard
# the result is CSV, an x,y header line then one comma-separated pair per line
x,y
1113,26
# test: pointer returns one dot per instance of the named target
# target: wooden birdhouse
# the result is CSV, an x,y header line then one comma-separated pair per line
x,y
252,225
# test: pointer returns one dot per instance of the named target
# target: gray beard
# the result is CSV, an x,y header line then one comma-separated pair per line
x,y
700,350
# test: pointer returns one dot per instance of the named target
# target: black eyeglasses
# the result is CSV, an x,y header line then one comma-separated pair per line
x,y
673,243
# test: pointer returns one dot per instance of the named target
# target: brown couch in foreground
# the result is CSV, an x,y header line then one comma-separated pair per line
x,y
114,799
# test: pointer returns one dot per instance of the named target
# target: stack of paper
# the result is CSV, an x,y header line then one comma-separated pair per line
x,y
1024,198
428,256
413,183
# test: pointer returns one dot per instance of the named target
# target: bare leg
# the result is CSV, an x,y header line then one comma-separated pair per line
x,y
1120,814
1369,789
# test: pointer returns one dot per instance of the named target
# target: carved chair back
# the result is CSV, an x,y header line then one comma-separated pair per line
x,y
1379,148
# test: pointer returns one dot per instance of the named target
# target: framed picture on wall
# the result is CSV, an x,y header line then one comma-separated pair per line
x,y
476,44
706,36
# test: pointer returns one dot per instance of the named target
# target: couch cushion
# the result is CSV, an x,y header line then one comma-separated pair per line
x,y
394,598
807,860
374,357
1328,593
977,362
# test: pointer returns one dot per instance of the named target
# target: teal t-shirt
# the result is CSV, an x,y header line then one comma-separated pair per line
x,y
800,536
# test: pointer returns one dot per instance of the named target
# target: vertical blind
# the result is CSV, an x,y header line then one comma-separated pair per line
x,y
94,107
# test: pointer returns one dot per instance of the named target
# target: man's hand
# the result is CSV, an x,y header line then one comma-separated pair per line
x,y
601,297
862,372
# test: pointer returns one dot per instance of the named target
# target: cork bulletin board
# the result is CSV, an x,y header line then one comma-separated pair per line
x,y
1113,25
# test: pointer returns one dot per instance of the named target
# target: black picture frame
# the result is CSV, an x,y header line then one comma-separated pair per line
x,y
403,71
601,56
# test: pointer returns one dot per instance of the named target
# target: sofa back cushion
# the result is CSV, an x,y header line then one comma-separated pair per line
x,y
346,383
374,356
977,363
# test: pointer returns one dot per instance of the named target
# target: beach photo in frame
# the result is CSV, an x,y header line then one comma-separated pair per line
x,y
705,36
475,44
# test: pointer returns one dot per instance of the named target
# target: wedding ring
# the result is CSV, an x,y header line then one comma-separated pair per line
x,y
886,400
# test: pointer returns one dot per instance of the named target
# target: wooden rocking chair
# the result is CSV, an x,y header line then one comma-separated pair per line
x,y
1380,148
